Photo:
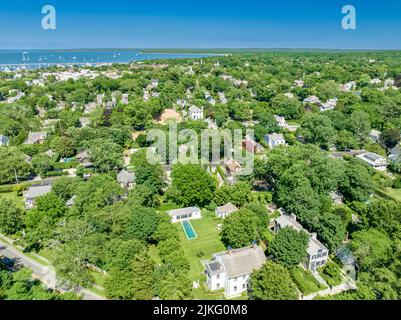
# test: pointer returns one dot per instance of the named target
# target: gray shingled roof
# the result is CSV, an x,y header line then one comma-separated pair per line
x,y
125,177
37,191
227,208
242,261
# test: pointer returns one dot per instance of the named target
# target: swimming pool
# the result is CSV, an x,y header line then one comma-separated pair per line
x,y
188,229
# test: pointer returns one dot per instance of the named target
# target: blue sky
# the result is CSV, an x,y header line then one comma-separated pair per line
x,y
201,24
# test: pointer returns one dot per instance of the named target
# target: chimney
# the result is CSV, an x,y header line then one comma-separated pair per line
x,y
229,250
314,235
293,217
254,245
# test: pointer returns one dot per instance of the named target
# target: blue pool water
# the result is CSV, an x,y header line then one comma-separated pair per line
x,y
189,231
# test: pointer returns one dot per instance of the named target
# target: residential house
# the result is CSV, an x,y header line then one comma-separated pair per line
x,y
274,140
125,99
210,99
222,98
312,100
224,211
376,161
348,86
299,83
252,146
281,122
195,113
395,153
212,125
231,270
374,135
337,198
329,105
90,107
16,97
33,193
84,159
36,138
84,122
190,213
317,253
126,179
375,81
289,95
233,167
3,140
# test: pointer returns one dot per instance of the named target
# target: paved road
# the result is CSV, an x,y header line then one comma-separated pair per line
x,y
46,274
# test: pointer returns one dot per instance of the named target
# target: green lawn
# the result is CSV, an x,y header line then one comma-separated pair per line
x,y
331,273
206,243
305,281
393,193
201,249
13,196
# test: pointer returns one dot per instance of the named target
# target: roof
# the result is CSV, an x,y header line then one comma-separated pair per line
x,y
286,221
194,109
227,208
373,157
233,165
36,136
214,267
240,262
188,210
275,137
37,191
125,177
314,244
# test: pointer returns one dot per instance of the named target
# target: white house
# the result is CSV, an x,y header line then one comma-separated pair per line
x,y
222,98
299,83
224,211
190,213
232,269
348,86
195,113
317,253
281,122
33,193
274,140
312,100
376,161
329,105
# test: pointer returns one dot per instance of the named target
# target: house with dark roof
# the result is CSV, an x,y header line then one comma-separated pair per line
x,y
232,269
374,160
84,159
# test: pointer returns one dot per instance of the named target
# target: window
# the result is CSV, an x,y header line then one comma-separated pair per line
x,y
218,286
218,277
243,277
235,279
244,286
235,289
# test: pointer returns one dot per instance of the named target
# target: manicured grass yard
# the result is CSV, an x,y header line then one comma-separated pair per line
x,y
394,193
13,196
305,281
207,243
